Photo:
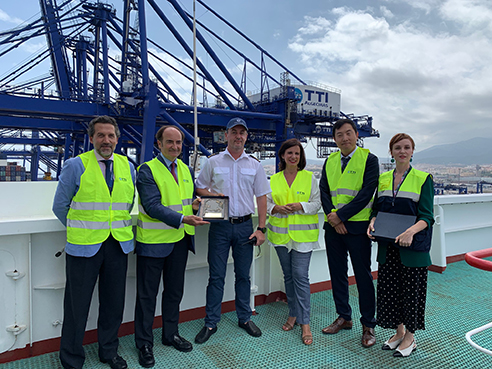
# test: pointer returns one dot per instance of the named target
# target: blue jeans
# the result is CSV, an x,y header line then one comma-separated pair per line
x,y
221,237
295,266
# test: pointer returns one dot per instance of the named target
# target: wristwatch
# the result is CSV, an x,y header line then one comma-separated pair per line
x,y
261,229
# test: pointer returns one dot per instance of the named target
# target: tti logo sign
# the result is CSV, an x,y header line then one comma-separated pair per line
x,y
313,98
298,94
322,96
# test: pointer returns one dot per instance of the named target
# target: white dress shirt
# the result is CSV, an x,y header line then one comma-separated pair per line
x,y
240,179
348,156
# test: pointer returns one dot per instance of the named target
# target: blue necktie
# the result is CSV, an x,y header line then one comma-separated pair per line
x,y
109,177
345,161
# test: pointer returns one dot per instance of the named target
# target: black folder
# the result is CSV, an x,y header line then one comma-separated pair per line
x,y
388,226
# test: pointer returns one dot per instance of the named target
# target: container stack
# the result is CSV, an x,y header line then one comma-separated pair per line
x,y
11,172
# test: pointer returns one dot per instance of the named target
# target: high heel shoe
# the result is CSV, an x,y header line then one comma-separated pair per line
x,y
405,352
391,345
307,339
288,327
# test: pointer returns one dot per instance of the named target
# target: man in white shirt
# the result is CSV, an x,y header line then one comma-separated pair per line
x,y
241,177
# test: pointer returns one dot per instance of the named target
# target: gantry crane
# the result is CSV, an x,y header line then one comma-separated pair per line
x,y
96,62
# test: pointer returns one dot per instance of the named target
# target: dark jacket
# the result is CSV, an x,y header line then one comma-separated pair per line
x,y
370,182
418,254
150,196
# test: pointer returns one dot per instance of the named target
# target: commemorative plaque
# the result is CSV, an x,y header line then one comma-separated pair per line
x,y
214,208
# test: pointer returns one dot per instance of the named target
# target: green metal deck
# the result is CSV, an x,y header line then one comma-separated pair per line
x,y
459,300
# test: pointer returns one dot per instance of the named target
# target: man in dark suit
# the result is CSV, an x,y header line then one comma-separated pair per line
x,y
347,186
165,230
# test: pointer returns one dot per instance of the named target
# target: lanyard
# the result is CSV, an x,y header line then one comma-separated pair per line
x,y
395,191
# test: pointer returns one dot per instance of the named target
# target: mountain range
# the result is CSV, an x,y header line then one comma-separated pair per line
x,y
477,150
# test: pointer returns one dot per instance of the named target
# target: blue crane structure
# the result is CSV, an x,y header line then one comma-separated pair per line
x,y
96,63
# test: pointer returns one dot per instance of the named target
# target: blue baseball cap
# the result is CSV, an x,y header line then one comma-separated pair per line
x,y
236,122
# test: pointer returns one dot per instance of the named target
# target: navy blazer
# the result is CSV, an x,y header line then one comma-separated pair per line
x,y
150,198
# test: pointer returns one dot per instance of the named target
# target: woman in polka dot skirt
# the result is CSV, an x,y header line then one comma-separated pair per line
x,y
403,263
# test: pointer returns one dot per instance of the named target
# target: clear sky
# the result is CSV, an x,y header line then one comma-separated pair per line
x,y
423,67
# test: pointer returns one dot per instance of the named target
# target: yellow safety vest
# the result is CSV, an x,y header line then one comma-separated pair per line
x,y
298,226
94,212
409,189
345,186
177,198
406,203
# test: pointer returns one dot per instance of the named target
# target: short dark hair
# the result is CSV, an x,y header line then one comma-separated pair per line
x,y
160,132
287,145
105,120
339,123
398,137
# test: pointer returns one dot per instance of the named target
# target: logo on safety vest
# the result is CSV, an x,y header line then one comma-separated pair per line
x,y
122,179
300,193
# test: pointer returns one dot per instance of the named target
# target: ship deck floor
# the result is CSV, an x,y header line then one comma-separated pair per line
x,y
458,301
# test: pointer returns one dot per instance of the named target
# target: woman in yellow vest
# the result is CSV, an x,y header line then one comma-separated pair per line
x,y
293,228
403,263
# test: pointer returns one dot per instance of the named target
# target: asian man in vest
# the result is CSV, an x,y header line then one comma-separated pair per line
x,y
165,230
93,199
349,179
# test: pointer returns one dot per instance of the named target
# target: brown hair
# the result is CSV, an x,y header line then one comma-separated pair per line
x,y
287,145
105,120
398,137
161,130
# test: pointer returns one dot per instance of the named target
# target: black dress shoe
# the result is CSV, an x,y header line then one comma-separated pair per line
x,y
179,343
251,328
115,363
205,334
146,356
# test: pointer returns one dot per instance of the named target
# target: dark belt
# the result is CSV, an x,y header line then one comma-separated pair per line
x,y
237,220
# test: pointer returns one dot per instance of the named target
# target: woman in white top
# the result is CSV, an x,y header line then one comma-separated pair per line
x,y
293,228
